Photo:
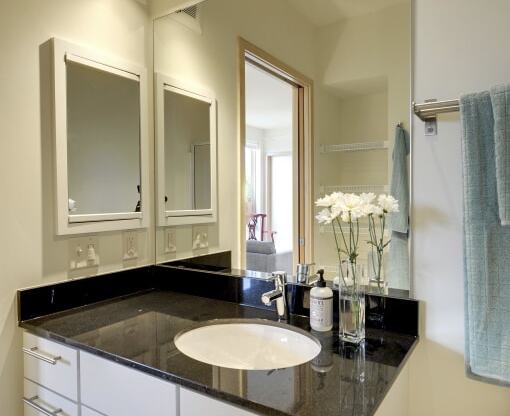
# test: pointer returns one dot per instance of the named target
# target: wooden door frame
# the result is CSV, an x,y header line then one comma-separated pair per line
x,y
305,144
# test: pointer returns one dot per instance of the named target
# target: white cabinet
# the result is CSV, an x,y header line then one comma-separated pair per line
x,y
52,372
116,390
85,411
39,401
51,365
195,404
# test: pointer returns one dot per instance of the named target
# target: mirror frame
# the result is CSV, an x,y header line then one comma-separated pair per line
x,y
64,51
191,216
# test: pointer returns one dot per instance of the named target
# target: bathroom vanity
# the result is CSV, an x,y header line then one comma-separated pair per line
x,y
225,157
105,346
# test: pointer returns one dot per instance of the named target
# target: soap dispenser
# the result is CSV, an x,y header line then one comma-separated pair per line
x,y
321,305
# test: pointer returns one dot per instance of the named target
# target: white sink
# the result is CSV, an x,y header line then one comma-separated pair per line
x,y
248,344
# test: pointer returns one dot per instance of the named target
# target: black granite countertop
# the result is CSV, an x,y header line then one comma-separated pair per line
x,y
138,331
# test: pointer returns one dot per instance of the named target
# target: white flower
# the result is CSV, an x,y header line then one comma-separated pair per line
x,y
335,211
329,200
324,216
368,206
367,198
388,203
349,202
351,205
373,209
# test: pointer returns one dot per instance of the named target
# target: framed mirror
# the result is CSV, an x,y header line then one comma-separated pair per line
x,y
101,143
186,153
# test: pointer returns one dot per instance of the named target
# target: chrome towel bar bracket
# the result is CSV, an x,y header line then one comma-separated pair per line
x,y
429,110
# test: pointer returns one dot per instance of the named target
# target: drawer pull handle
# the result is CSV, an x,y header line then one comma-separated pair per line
x,y
31,402
33,353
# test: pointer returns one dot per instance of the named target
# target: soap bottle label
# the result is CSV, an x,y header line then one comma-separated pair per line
x,y
321,312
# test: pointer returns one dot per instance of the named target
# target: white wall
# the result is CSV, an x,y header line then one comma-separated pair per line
x,y
460,46
29,251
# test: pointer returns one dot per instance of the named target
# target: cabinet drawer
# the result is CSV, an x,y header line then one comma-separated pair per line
x,y
85,411
116,390
51,365
195,404
39,401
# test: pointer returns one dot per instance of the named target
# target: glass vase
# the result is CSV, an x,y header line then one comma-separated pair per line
x,y
351,291
377,282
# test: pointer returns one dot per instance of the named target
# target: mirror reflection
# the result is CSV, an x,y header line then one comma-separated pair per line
x,y
313,98
270,155
103,156
187,152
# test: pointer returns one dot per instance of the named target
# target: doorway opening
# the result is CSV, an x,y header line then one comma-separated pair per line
x,y
275,163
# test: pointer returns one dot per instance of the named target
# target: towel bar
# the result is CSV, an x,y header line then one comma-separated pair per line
x,y
428,111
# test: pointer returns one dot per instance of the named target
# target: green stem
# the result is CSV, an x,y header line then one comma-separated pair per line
x,y
338,249
357,235
342,231
373,239
380,251
350,237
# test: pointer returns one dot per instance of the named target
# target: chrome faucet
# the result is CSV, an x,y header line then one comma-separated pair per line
x,y
279,294
303,273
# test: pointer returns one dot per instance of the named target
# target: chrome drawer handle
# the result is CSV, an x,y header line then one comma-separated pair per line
x,y
33,353
31,402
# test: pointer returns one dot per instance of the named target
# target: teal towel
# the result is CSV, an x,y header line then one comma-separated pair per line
x,y
398,277
500,96
486,248
399,221
400,181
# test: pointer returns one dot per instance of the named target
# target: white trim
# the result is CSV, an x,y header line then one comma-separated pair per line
x,y
354,147
104,217
77,224
188,212
101,67
182,217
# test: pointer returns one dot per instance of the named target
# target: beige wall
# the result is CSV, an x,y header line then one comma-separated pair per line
x,y
370,53
30,252
360,118
363,63
460,46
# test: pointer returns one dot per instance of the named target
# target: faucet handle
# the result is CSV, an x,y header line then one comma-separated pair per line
x,y
269,297
280,275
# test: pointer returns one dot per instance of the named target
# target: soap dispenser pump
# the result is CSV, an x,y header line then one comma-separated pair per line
x,y
321,305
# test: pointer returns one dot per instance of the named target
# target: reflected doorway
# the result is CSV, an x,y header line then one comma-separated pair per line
x,y
274,208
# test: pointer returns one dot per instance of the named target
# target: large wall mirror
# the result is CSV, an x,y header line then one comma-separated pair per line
x,y
313,98
101,141
186,153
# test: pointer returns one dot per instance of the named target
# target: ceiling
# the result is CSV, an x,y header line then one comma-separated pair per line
x,y
325,12
268,100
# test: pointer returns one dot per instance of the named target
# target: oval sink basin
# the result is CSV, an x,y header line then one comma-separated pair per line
x,y
248,344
